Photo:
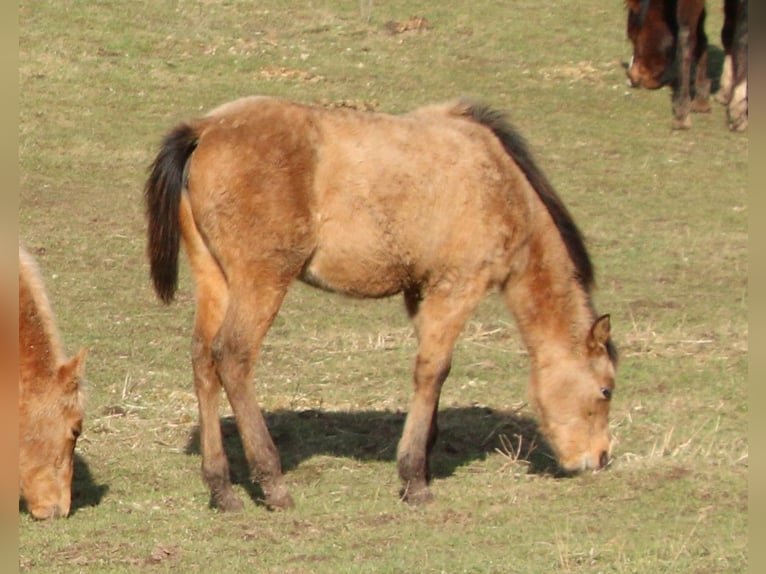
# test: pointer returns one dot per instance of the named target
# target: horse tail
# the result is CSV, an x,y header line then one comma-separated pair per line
x,y
162,193
516,147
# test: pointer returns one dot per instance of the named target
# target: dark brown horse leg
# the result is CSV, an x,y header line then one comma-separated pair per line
x,y
681,98
236,348
701,103
438,322
730,8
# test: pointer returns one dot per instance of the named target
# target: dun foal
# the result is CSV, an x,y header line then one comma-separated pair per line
x,y
440,204
50,401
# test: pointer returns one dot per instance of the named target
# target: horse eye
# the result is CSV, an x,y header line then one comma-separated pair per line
x,y
607,393
76,432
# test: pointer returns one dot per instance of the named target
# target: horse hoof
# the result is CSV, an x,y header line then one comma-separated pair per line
x,y
701,107
228,502
722,98
416,496
738,125
278,498
682,123
283,502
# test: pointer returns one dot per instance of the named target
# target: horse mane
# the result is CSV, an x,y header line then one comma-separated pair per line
x,y
41,352
37,311
643,8
516,147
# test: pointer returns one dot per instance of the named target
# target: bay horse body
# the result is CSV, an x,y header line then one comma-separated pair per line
x,y
668,38
440,204
50,401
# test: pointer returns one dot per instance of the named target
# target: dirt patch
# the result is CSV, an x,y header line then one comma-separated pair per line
x,y
276,73
412,24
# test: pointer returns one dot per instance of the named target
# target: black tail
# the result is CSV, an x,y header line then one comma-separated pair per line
x,y
162,194
516,147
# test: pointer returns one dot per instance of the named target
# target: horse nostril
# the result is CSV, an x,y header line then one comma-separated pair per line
x,y
603,459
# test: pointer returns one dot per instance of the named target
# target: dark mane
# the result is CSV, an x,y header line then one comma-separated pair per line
x,y
642,12
516,147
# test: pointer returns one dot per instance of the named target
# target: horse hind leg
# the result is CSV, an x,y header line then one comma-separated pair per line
x,y
701,102
250,313
723,95
439,319
207,386
211,303
737,111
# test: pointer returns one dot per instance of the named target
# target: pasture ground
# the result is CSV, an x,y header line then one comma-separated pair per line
x,y
665,216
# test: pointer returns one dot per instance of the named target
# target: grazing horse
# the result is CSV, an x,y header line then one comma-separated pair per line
x,y
440,204
668,36
733,90
50,401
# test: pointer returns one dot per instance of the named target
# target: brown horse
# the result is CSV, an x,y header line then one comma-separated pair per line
x,y
50,401
440,204
668,36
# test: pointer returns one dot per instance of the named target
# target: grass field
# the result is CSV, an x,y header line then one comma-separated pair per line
x,y
664,214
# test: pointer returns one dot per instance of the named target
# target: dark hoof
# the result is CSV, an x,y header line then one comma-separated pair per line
x,y
416,495
682,123
278,498
228,502
280,503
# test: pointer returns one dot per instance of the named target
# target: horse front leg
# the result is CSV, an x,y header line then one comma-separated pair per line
x,y
420,428
701,102
438,322
681,98
723,95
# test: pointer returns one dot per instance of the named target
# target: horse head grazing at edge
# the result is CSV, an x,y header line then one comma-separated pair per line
x,y
50,401
667,37
440,204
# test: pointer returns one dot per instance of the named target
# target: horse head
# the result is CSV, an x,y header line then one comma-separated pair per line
x,y
650,30
49,425
571,393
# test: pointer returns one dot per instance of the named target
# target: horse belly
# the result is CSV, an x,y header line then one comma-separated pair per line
x,y
355,262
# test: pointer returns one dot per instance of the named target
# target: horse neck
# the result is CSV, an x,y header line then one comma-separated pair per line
x,y
552,308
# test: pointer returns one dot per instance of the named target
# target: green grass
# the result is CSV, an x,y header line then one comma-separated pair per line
x,y
664,214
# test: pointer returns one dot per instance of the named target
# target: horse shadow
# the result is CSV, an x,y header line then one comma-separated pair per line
x,y
466,434
85,491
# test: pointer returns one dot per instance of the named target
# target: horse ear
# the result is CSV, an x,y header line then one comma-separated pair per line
x,y
72,371
599,333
